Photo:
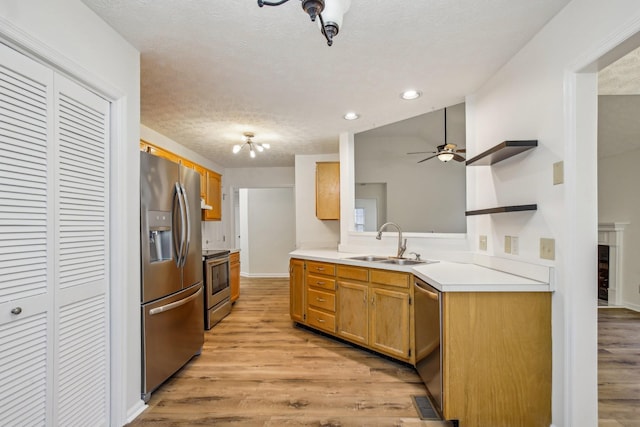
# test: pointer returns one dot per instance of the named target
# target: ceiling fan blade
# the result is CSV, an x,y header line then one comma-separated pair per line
x,y
423,152
424,160
458,158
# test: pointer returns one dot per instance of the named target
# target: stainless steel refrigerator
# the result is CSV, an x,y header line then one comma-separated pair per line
x,y
171,263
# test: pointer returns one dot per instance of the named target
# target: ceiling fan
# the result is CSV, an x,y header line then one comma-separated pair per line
x,y
445,152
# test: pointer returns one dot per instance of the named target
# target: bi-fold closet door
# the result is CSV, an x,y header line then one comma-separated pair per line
x,y
54,323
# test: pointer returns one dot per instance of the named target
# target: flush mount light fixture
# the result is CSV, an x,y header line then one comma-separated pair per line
x,y
328,12
410,94
253,146
351,116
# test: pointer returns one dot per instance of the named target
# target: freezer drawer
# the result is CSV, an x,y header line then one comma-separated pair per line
x,y
173,332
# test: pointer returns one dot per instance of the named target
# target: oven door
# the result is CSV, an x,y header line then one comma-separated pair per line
x,y
217,281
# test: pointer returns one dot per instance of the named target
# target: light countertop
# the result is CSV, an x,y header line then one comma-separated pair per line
x,y
443,275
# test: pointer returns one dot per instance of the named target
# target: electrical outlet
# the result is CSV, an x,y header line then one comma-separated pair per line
x,y
514,245
507,244
558,173
483,243
547,249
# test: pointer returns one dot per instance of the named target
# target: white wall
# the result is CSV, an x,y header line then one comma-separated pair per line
x,y
310,231
270,231
618,201
68,35
539,95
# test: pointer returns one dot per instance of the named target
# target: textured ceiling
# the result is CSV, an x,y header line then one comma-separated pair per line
x,y
213,69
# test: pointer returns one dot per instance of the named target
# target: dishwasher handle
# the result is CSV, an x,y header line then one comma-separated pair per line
x,y
432,294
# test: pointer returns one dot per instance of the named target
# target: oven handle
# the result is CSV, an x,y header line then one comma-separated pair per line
x,y
175,304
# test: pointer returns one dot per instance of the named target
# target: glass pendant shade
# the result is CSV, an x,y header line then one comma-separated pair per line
x,y
445,157
236,149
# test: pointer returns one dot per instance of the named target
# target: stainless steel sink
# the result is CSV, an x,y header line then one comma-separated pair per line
x,y
402,261
371,258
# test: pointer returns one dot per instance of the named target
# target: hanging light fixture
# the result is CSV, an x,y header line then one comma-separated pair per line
x,y
328,12
253,146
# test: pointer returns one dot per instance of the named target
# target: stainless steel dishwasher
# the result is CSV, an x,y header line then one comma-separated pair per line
x,y
428,336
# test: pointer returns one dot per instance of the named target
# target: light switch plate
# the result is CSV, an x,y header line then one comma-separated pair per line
x,y
547,249
507,244
483,243
514,245
558,173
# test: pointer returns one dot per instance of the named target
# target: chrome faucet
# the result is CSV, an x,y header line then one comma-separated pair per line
x,y
401,246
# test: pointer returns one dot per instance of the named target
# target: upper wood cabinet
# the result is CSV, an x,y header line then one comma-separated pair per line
x,y
213,197
210,188
328,190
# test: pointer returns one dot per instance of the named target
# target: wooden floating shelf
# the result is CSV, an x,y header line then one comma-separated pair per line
x,y
503,209
502,151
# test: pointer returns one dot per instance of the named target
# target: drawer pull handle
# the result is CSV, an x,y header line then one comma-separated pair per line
x,y
320,268
320,299
321,320
319,283
16,310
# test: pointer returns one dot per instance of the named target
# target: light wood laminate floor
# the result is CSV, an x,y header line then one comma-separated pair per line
x,y
257,369
618,367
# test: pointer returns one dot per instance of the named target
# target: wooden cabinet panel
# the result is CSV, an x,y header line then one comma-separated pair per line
x,y
203,180
499,342
296,290
353,312
321,320
391,278
354,273
234,275
389,322
328,190
321,268
213,197
321,282
323,300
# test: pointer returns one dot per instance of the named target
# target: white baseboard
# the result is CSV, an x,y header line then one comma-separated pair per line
x,y
630,306
265,275
136,410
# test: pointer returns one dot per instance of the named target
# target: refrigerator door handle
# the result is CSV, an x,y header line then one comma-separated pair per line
x,y
186,208
174,228
175,304
182,253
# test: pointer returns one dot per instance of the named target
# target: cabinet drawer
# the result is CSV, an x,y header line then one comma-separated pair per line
x,y
354,273
323,300
321,268
321,282
391,278
321,320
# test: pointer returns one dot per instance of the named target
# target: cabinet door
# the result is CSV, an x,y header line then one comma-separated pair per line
x,y
203,180
296,290
328,190
234,267
214,197
390,322
352,312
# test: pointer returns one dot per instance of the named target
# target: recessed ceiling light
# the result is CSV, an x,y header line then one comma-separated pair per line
x,y
411,94
351,116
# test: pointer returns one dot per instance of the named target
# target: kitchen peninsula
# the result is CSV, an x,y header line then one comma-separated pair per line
x,y
494,336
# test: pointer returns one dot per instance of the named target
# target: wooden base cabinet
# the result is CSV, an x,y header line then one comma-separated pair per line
x,y
234,273
389,322
497,358
297,309
353,311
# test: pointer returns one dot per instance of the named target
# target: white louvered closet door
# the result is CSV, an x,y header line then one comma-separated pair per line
x,y
53,248
82,364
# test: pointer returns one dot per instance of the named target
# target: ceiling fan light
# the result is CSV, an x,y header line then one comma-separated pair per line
x,y
252,153
236,149
259,147
266,146
445,157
